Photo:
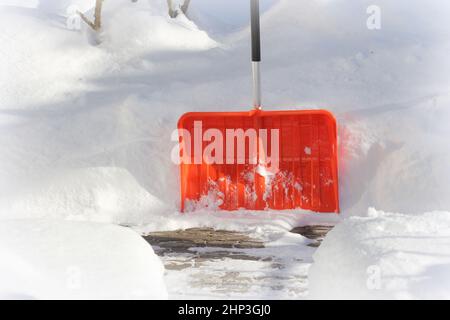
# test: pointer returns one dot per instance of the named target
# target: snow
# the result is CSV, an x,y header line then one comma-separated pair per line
x,y
80,102
55,259
64,7
107,194
384,256
86,119
150,29
106,105
222,18
259,224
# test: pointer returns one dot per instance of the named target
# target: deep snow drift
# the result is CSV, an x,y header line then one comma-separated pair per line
x,y
71,104
86,120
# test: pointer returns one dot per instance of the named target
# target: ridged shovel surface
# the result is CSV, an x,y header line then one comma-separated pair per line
x,y
292,164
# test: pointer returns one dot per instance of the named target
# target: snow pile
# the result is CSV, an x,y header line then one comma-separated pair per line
x,y
52,61
42,64
49,259
384,256
86,121
139,28
74,104
75,145
96,194
399,159
388,89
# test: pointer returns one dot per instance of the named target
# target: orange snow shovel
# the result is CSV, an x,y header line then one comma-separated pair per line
x,y
258,160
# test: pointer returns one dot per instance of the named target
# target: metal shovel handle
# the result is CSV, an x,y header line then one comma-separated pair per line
x,y
256,53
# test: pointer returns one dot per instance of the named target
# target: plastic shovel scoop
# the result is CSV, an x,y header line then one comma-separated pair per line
x,y
257,159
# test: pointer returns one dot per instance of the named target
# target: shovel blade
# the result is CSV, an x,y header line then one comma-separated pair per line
x,y
259,160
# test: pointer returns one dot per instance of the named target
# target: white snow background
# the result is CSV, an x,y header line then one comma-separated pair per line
x,y
86,121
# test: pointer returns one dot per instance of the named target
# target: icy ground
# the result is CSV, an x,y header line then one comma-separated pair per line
x,y
238,274
86,120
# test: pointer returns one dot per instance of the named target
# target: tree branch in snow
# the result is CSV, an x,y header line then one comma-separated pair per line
x,y
97,24
174,11
185,6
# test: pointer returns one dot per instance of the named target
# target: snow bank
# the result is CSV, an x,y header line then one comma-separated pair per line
x,y
46,63
49,259
109,195
384,256
134,29
73,146
73,103
387,88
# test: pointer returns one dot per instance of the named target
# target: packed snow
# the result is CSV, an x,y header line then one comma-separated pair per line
x,y
86,121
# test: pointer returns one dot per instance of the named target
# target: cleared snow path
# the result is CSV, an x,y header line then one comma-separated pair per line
x,y
219,264
85,125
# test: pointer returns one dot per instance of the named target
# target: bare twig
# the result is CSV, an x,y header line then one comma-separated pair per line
x,y
185,6
85,19
173,12
97,24
98,14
